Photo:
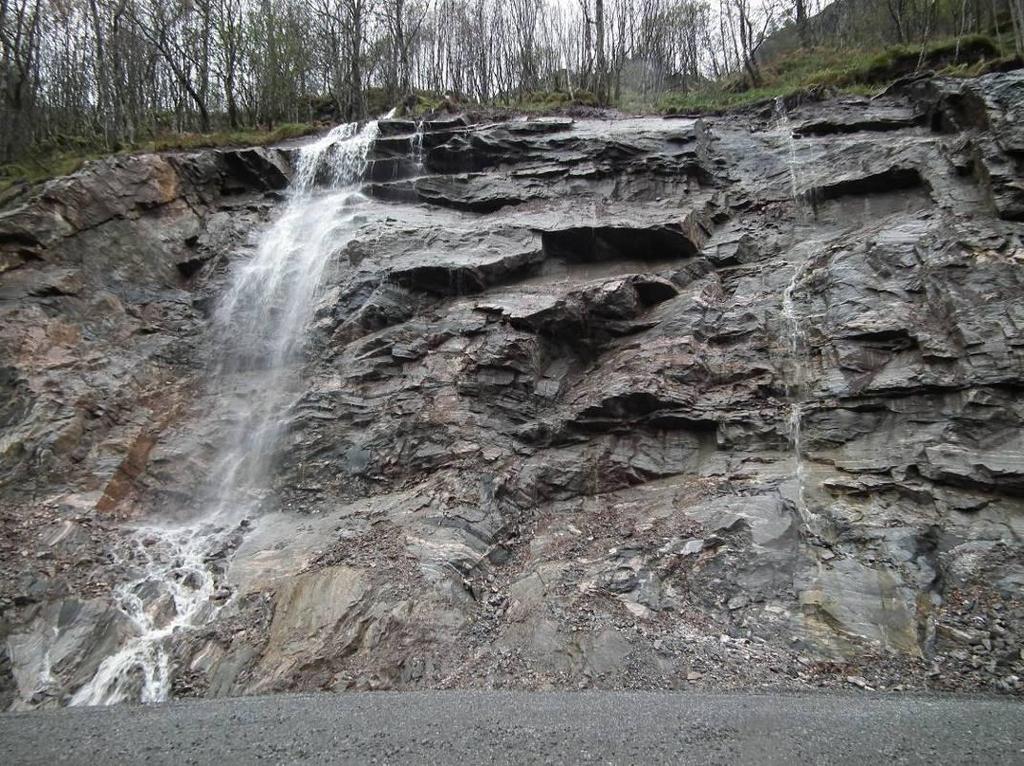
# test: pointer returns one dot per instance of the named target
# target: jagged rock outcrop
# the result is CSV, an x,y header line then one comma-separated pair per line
x,y
623,403
100,317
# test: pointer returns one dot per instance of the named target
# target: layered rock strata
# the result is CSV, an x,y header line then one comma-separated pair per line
x,y
630,402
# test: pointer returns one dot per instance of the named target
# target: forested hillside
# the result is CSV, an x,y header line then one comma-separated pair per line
x,y
107,74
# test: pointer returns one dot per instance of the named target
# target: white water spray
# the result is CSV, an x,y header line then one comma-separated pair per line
x,y
416,147
176,572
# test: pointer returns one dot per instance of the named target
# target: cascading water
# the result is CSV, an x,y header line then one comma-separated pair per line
x,y
416,147
794,391
794,330
261,319
176,573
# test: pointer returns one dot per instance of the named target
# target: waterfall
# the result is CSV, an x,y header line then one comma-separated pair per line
x,y
260,321
794,391
804,200
793,325
176,572
782,122
416,147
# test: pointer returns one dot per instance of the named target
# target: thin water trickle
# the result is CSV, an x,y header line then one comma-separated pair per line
x,y
783,124
177,572
795,391
794,329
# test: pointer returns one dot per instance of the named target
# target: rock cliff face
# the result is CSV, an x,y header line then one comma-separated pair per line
x,y
632,403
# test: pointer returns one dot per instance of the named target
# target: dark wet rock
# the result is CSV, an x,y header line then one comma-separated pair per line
x,y
396,127
479,192
631,403
986,112
860,115
256,168
491,261
562,147
600,243
888,180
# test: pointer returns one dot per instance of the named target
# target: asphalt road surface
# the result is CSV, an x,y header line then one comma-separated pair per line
x,y
440,728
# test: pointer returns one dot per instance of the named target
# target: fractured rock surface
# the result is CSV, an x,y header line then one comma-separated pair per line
x,y
634,403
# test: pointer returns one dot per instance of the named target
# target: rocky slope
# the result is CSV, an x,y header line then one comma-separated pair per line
x,y
631,403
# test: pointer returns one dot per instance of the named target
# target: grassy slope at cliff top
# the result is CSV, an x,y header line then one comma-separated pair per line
x,y
849,70
50,162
